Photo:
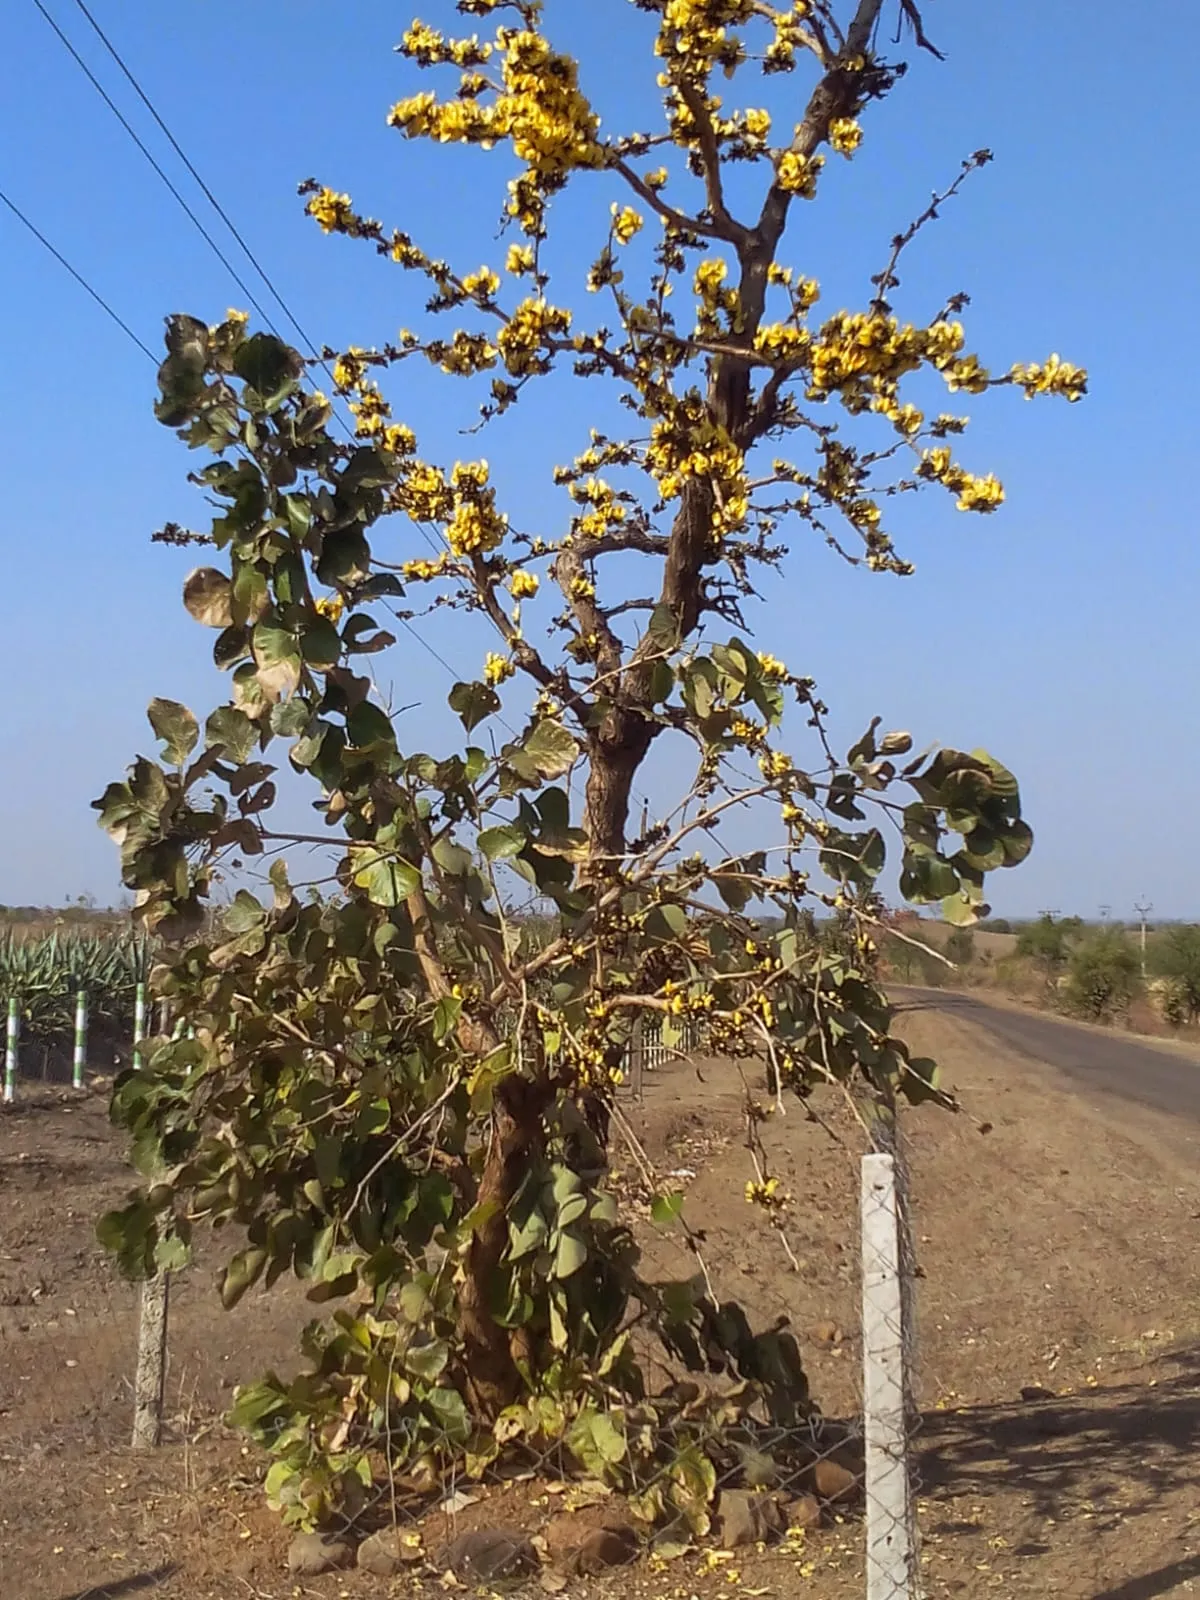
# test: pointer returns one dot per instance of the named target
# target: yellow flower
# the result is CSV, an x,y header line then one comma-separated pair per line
x,y
1053,377
845,135
496,669
483,284
797,174
241,318
626,223
330,606
771,667
521,585
332,211
519,260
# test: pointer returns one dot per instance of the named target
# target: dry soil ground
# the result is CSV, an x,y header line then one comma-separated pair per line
x,y
1057,1252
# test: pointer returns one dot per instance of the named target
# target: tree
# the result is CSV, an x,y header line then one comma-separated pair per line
x,y
1104,974
960,947
1176,957
392,1096
1047,942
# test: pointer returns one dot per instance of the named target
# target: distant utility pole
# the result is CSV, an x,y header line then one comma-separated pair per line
x,y
1143,910
1105,912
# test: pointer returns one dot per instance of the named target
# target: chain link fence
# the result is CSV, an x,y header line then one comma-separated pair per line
x,y
72,1387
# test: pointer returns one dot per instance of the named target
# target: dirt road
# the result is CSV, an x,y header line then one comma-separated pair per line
x,y
1096,1059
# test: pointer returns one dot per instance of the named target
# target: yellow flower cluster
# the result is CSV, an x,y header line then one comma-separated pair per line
x,y
693,32
476,526
868,344
747,732
781,52
845,135
607,511
626,223
1052,377
370,411
332,211
522,585
540,110
767,1194
771,667
796,173
974,494
425,494
496,669
422,571
330,606
399,439
520,260
463,355
428,48
689,444
774,764
523,336
481,285
350,368
782,342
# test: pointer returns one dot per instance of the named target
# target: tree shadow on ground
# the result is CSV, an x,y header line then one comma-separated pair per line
x,y
139,1583
1118,1452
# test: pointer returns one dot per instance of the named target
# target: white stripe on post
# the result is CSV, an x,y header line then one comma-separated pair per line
x,y
79,1063
11,1042
139,1023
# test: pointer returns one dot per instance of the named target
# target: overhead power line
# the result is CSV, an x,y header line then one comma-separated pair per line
x,y
78,276
304,337
137,139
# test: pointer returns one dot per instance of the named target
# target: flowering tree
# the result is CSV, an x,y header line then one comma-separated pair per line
x,y
395,1091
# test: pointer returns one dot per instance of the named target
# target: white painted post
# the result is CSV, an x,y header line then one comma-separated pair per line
x,y
891,1552
79,1060
150,1379
11,1045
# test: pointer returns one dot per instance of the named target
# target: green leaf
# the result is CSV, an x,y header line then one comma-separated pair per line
x,y
387,879
503,842
208,596
445,1016
176,727
269,366
243,1270
452,858
551,748
298,511
368,727
345,558
428,1360
666,1208
597,1442
232,732
473,702
277,660
321,644
449,1414
245,913
571,1254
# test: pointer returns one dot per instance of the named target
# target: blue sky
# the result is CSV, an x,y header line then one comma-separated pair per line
x,y
1059,634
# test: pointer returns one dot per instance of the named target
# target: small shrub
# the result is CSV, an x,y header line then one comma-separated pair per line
x,y
1176,957
1104,975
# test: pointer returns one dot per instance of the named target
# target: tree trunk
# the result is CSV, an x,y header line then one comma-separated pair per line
x,y
492,1374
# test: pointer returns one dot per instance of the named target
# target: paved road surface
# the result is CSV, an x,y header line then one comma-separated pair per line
x,y
1113,1063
